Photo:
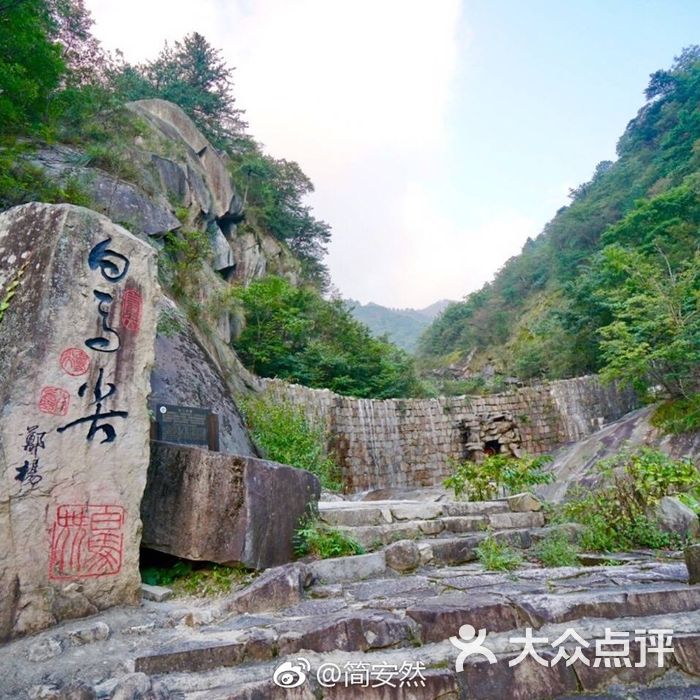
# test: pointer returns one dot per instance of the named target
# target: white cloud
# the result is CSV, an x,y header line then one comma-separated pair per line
x,y
438,258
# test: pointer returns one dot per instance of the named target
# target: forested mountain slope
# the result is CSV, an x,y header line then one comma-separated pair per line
x,y
402,326
612,283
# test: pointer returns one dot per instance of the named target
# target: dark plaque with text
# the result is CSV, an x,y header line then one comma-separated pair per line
x,y
186,425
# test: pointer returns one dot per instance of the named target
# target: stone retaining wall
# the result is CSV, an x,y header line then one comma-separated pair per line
x,y
408,442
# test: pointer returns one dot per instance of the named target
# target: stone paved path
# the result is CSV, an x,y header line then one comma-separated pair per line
x,y
393,608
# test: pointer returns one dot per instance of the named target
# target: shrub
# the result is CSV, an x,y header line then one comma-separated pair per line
x,y
497,556
678,416
556,550
617,513
22,182
180,261
283,434
325,542
200,580
497,475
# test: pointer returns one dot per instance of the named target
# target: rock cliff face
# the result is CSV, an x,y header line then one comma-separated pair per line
x,y
175,170
76,351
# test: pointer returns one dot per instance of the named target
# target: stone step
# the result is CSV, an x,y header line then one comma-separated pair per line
x,y
442,550
357,514
527,680
429,620
374,536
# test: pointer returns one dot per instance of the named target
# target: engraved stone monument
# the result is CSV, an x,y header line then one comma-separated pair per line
x,y
76,349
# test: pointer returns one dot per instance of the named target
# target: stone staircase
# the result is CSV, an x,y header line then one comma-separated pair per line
x,y
360,623
379,523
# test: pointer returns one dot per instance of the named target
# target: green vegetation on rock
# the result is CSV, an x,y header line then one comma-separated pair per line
x,y
319,540
295,334
618,511
556,550
283,433
678,415
495,555
197,579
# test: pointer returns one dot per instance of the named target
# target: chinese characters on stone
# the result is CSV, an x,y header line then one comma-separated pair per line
x,y
28,473
113,267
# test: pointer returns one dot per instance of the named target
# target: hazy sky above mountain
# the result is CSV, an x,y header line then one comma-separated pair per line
x,y
439,135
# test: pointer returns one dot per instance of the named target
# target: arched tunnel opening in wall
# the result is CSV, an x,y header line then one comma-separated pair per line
x,y
484,435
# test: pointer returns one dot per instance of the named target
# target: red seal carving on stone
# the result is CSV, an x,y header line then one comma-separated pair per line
x,y
54,401
74,361
131,311
87,541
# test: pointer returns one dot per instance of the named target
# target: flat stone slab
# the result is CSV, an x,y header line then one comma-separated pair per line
x,y
348,568
156,593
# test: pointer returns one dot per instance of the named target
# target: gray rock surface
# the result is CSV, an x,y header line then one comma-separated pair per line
x,y
186,374
692,561
676,518
173,121
223,508
575,464
76,350
156,593
524,503
138,686
403,556
128,204
279,587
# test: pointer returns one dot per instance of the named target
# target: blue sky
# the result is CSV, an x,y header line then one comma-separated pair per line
x,y
439,135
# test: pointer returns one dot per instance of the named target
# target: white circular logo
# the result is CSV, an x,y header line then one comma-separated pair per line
x,y
290,675
163,409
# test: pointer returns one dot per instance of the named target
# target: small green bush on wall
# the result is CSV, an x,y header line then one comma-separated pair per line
x,y
284,435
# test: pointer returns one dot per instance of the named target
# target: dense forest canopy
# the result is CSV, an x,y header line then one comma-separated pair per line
x,y
613,282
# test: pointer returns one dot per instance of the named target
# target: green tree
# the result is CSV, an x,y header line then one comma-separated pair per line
x,y
193,75
654,337
87,62
30,65
294,334
274,192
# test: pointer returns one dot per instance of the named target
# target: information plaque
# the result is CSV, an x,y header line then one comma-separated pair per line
x,y
186,425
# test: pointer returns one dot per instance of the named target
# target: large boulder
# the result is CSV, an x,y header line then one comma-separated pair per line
x,y
174,123
676,518
76,349
143,213
224,508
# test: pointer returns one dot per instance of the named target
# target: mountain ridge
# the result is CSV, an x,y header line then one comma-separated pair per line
x,y
403,326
